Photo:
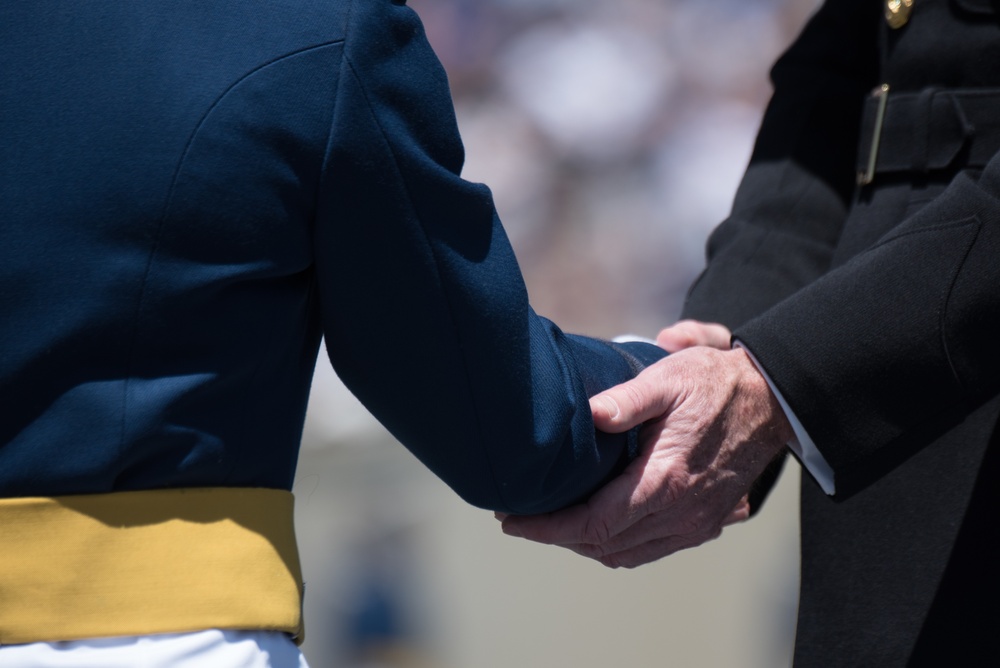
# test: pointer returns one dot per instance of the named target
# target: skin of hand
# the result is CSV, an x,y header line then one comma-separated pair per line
x,y
711,427
691,333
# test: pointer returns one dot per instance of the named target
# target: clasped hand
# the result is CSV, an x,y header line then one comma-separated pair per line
x,y
711,426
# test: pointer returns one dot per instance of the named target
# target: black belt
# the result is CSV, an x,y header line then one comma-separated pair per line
x,y
931,130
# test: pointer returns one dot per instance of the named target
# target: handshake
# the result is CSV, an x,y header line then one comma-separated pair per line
x,y
711,426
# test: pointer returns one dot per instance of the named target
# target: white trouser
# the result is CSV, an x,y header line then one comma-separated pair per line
x,y
203,649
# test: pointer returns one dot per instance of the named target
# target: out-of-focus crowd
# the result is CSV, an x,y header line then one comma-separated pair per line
x,y
613,135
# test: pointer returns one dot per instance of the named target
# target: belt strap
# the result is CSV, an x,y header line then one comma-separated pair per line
x,y
140,563
930,130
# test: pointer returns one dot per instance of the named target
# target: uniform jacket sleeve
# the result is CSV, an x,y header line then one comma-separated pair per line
x,y
424,310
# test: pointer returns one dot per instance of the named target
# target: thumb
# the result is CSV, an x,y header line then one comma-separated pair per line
x,y
630,404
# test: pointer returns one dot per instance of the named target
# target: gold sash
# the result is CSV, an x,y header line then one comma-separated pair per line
x,y
140,563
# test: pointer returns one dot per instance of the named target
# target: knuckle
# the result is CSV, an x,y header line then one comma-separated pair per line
x,y
634,398
611,561
595,552
596,531
720,333
679,336
629,564
668,331
688,528
669,493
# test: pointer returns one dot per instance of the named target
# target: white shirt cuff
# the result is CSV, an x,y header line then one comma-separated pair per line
x,y
802,446
632,338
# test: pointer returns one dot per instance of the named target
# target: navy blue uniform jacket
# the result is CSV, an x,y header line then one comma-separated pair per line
x,y
191,193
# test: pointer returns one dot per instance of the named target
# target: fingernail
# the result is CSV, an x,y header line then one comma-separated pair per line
x,y
500,516
610,407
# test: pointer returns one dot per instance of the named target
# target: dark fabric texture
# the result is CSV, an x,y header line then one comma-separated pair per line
x,y
872,309
192,193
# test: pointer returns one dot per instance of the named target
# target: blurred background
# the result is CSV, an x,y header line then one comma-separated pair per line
x,y
613,135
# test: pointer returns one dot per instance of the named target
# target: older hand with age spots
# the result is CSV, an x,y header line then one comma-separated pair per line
x,y
712,426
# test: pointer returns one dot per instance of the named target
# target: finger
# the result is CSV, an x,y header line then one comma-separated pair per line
x,y
741,513
655,550
611,510
690,333
660,509
559,528
645,397
581,524
671,523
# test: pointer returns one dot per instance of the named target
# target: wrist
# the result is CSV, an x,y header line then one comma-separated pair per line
x,y
774,429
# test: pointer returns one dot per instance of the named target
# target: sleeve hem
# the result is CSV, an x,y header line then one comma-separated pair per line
x,y
802,445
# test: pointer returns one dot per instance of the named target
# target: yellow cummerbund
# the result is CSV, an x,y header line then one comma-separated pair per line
x,y
139,563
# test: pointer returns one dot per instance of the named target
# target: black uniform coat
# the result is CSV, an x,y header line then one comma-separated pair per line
x,y
873,309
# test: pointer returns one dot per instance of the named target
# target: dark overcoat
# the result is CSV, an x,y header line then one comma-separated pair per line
x,y
872,303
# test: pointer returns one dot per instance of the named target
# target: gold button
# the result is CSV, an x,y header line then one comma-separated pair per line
x,y
897,12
